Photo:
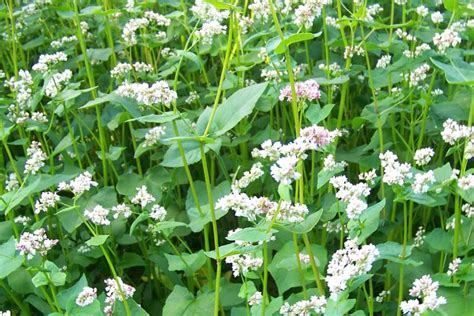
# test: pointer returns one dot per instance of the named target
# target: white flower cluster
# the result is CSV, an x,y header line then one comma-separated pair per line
x,y
37,242
404,35
422,10
157,18
468,210
420,49
21,87
424,289
36,158
255,299
384,61
448,38
143,198
331,21
193,97
304,258
284,170
394,171
382,295
372,10
307,12
98,215
437,17
116,290
86,296
251,207
121,210
153,135
351,51
63,40
158,212
422,182
466,182
260,9
423,156
417,75
122,69
329,164
212,20
368,176
243,263
453,267
157,93
454,132
306,90
352,194
22,220
47,60
248,177
129,35
56,83
316,304
11,183
46,200
419,239
348,263
82,183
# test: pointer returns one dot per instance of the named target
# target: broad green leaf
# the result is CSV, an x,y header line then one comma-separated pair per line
x,y
294,38
250,234
97,240
305,226
236,107
70,294
9,259
189,263
315,114
182,302
457,71
367,223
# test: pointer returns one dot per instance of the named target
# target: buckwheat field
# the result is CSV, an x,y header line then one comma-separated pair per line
x,y
236,157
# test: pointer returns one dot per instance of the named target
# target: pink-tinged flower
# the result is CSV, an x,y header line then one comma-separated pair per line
x,y
307,90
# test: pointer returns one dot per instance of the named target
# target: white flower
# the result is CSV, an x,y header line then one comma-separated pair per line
x,y
468,210
23,220
209,30
37,242
422,10
304,258
368,176
423,181
260,9
47,60
423,156
86,296
425,290
46,200
243,263
448,38
316,304
158,212
113,292
11,183
394,171
98,215
453,266
419,237
248,177
384,61
351,194
158,93
82,183
466,182
153,135
121,209
453,132
437,17
56,83
329,164
255,299
382,296
348,263
143,197
129,30
63,40
417,75
284,170
36,158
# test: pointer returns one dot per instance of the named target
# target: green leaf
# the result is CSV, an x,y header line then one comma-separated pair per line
x,y
457,71
284,192
325,81
154,118
367,223
128,104
189,263
182,302
142,217
97,240
339,307
315,114
236,107
294,38
9,259
51,274
63,144
305,226
70,294
250,234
